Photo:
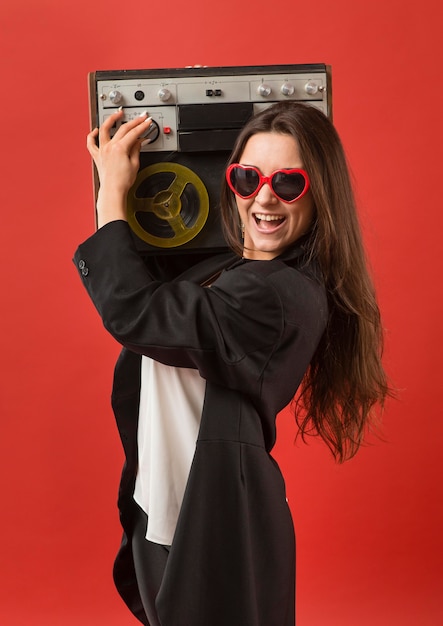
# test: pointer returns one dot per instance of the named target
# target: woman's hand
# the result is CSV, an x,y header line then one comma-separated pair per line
x,y
117,160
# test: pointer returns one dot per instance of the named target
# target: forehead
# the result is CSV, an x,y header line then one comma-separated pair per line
x,y
271,151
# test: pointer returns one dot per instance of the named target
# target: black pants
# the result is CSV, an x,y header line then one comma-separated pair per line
x,y
149,563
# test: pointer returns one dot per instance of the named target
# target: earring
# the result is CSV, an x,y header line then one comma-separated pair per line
x,y
242,226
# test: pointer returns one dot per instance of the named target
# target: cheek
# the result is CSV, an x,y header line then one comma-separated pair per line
x,y
307,209
242,208
310,214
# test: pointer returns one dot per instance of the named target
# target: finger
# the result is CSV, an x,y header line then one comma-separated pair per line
x,y
131,137
91,142
129,128
134,153
105,128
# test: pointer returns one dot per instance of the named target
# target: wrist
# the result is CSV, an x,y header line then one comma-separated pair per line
x,y
111,205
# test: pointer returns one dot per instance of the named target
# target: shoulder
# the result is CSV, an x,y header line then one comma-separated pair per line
x,y
276,273
295,287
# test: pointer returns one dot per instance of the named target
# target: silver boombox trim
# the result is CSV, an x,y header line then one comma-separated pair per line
x,y
197,114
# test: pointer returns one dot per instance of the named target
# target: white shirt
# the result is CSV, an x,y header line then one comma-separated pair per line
x,y
171,403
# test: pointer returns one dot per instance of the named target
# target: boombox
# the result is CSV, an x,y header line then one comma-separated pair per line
x,y
197,113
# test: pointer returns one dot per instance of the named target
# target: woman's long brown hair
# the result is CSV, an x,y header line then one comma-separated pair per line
x,y
346,378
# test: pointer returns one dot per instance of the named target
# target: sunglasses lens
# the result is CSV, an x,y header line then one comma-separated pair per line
x,y
288,186
244,180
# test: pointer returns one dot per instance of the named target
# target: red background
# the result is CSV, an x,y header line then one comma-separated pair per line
x,y
369,532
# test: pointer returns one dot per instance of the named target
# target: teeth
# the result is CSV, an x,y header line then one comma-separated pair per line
x,y
268,218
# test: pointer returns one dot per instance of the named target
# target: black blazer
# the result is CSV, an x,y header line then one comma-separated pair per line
x,y
251,335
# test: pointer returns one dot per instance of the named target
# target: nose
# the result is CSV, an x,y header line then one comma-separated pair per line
x,y
265,196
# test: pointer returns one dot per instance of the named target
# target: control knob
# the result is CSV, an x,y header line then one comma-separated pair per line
x,y
264,90
164,94
287,89
311,88
152,133
115,96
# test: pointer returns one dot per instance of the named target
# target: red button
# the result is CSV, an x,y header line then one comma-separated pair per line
x,y
167,130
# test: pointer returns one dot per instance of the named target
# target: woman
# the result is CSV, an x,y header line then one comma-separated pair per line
x,y
213,355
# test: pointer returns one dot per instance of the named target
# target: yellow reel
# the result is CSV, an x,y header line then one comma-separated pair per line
x,y
173,207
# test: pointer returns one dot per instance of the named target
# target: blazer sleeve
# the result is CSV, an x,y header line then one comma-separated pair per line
x,y
228,331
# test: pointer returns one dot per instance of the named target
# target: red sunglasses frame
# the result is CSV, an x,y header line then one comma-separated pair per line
x,y
267,180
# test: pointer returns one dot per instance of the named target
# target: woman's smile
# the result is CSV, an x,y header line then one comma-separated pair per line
x,y
266,217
